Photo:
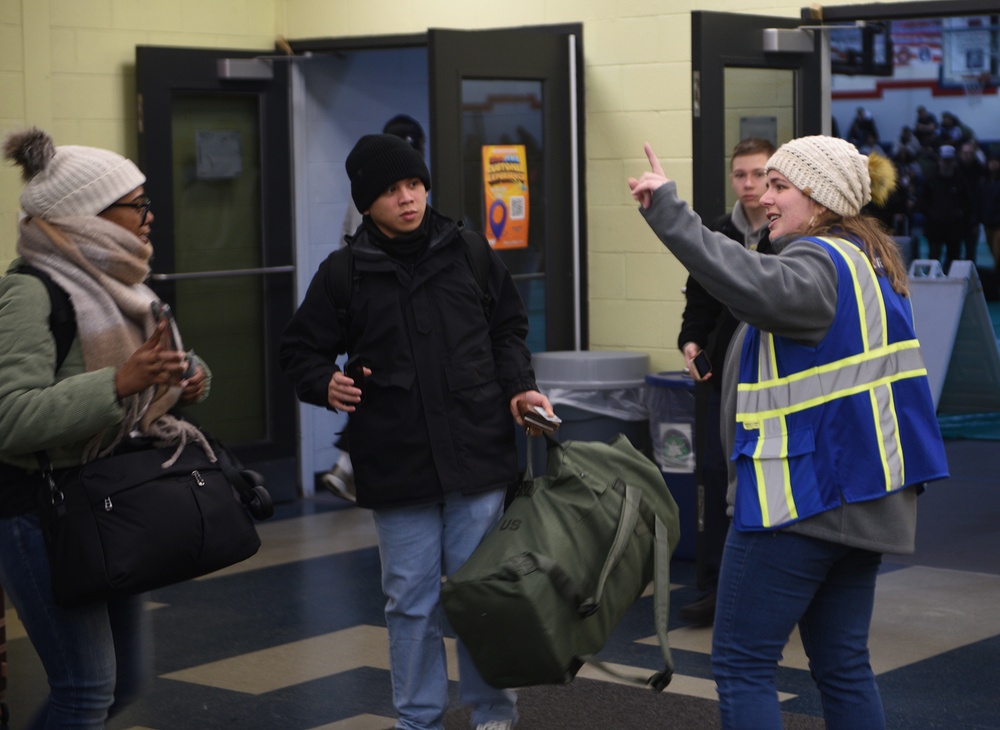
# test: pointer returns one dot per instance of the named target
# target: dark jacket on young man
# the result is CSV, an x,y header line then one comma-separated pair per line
x,y
706,321
445,361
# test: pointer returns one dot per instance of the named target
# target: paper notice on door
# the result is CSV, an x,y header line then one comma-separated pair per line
x,y
505,181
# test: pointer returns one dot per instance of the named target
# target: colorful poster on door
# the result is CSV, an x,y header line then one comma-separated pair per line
x,y
505,180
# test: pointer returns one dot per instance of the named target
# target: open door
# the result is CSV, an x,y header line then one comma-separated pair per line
x,y
494,88
747,81
214,143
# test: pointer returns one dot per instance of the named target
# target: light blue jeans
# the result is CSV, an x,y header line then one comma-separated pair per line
x,y
418,545
771,581
97,658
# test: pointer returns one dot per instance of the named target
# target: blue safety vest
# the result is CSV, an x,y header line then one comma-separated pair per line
x,y
850,419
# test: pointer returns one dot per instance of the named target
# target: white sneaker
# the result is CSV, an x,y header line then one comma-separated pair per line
x,y
495,725
340,482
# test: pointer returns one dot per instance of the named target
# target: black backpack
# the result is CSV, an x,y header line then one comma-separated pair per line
x,y
477,252
62,318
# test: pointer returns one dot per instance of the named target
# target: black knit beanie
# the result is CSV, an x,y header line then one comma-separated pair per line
x,y
379,160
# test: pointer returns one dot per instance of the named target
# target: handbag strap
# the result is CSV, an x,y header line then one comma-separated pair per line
x,y
243,480
56,497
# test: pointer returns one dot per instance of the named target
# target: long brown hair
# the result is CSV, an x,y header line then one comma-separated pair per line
x,y
879,246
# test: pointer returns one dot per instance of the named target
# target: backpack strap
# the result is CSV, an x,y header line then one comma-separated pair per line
x,y
477,251
62,318
341,284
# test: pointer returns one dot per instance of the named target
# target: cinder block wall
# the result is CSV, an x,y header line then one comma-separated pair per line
x,y
68,66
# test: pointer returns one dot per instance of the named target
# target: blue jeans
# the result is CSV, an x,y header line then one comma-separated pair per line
x,y
417,545
771,581
96,658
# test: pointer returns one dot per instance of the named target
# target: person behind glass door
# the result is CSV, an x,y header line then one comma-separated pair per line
x,y
86,226
706,320
827,415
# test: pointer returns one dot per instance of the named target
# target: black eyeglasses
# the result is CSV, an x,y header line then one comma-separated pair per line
x,y
141,205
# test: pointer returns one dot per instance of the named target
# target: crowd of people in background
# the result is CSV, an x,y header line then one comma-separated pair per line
x,y
948,192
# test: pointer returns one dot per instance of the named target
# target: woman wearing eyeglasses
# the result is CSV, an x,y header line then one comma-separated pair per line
x,y
83,366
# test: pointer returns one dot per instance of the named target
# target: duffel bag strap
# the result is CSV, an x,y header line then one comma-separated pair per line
x,y
661,601
626,526
661,616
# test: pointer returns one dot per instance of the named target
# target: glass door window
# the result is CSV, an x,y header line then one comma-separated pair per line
x,y
216,183
504,118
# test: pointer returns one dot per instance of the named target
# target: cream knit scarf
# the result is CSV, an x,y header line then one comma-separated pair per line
x,y
102,267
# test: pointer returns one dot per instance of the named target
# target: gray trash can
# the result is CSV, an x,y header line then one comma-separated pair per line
x,y
597,394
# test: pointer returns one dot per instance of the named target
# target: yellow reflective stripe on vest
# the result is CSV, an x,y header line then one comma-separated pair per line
x,y
766,404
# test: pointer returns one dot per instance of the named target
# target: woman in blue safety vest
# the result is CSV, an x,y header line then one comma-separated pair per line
x,y
828,418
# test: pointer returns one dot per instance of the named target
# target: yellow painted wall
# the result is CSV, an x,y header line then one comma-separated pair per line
x,y
68,67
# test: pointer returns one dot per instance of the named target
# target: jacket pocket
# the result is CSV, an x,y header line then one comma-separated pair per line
x,y
399,379
479,373
777,472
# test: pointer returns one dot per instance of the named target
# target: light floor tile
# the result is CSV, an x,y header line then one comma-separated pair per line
x,y
302,661
360,722
310,536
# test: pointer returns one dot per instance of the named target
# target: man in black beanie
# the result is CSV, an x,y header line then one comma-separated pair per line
x,y
340,477
446,372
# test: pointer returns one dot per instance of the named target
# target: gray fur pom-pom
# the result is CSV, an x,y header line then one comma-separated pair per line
x,y
31,149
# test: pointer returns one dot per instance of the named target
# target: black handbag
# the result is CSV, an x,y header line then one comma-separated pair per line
x,y
123,524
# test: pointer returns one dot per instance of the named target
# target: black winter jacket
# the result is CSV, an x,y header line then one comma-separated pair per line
x,y
706,321
435,416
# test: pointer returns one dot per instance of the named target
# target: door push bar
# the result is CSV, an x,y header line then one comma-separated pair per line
x,y
223,273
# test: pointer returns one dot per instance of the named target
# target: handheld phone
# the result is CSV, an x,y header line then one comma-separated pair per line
x,y
355,370
702,365
540,419
163,313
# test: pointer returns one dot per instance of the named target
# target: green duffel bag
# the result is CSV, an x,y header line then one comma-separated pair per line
x,y
573,551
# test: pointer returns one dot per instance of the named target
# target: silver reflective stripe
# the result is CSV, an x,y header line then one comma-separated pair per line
x,y
766,404
871,308
774,483
884,412
824,383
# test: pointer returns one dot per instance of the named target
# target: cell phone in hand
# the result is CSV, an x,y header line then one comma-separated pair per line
x,y
355,370
162,312
537,417
701,364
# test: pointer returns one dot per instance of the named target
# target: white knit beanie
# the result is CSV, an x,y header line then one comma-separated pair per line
x,y
69,180
829,170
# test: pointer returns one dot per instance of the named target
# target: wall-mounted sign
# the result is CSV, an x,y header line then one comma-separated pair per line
x,y
505,181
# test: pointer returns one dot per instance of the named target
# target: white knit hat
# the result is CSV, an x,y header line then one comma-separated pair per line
x,y
829,170
70,179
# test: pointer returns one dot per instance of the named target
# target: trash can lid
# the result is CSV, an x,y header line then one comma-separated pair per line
x,y
590,369
671,379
